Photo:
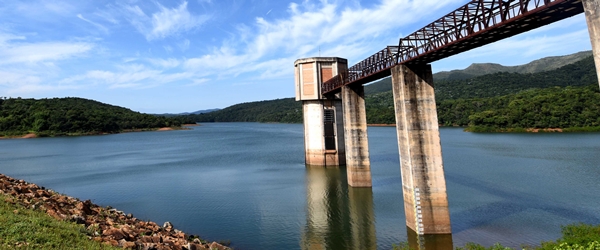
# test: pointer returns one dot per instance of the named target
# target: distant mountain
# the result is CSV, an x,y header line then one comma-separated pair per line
x,y
204,111
480,69
540,65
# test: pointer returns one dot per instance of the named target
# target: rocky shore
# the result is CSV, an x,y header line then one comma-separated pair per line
x,y
104,224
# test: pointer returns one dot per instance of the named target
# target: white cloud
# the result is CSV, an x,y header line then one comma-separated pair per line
x,y
269,46
529,47
41,52
106,15
166,22
12,77
42,8
97,25
165,63
18,81
133,75
4,37
27,66
198,82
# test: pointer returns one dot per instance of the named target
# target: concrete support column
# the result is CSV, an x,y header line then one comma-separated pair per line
x,y
358,164
423,181
592,15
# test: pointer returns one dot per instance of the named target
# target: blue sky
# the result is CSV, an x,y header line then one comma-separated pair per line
x,y
159,56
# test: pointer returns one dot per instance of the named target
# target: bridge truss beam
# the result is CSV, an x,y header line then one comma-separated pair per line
x,y
473,25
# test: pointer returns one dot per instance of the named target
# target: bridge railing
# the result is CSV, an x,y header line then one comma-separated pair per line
x,y
468,20
336,82
382,60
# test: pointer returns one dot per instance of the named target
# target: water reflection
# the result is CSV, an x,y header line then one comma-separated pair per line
x,y
337,217
431,241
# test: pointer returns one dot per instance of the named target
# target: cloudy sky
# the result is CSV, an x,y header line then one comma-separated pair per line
x,y
160,56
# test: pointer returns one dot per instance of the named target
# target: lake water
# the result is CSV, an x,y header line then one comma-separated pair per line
x,y
246,182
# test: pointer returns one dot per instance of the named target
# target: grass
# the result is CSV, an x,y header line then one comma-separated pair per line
x,y
22,228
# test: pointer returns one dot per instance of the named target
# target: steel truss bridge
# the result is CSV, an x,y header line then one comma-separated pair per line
x,y
475,24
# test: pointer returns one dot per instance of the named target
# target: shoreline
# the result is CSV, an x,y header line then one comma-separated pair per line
x,y
381,125
104,224
33,135
531,130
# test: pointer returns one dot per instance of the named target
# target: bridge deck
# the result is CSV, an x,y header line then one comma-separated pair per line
x,y
473,25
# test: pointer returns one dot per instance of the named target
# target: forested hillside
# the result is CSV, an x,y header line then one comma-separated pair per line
x,y
285,110
581,73
557,107
73,116
540,65
456,104
578,73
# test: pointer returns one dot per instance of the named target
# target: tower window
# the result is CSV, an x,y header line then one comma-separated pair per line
x,y
329,122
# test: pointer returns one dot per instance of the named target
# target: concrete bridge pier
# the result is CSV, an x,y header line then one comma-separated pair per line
x,y
358,164
592,16
323,123
423,181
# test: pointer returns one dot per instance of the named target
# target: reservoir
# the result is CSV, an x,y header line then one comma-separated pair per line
x,y
247,183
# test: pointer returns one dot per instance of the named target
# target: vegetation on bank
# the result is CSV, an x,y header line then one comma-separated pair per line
x,y
570,108
22,228
574,237
286,110
74,116
573,109
581,73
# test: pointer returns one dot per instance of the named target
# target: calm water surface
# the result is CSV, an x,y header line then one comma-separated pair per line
x,y
246,182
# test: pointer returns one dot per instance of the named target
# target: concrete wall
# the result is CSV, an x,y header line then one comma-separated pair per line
x,y
423,181
592,16
314,140
310,73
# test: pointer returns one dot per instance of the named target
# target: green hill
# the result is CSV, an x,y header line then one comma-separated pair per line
x,y
73,116
286,110
455,98
540,65
574,108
